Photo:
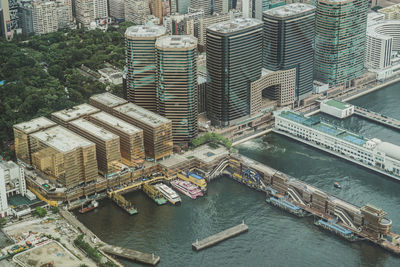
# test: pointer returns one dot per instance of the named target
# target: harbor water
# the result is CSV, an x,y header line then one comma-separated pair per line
x,y
275,238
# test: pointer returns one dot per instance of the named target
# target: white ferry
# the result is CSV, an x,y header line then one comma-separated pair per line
x,y
168,193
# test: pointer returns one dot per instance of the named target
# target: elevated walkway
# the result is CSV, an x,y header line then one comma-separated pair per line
x,y
377,117
344,217
295,196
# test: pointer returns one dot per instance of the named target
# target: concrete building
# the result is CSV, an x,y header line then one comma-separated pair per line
x,y
375,17
106,101
157,130
141,64
22,141
391,12
64,117
136,11
45,17
110,75
64,156
117,10
187,24
289,32
234,53
12,182
88,11
5,21
177,84
206,22
25,14
336,108
108,152
340,41
130,137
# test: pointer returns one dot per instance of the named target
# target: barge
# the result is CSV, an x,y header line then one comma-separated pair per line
x,y
337,229
286,205
155,194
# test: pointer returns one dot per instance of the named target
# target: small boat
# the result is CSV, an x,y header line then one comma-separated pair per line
x,y
337,185
93,204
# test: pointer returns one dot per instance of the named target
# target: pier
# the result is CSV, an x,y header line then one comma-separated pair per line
x,y
376,117
131,254
221,236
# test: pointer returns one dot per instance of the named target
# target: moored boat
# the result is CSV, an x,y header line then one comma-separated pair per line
x,y
187,188
92,205
168,193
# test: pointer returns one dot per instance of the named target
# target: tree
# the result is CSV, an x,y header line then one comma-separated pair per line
x,y
41,212
54,209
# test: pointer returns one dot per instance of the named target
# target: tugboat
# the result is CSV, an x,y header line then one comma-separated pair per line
x,y
337,185
93,204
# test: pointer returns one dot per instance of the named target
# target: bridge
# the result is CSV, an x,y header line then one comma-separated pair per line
x,y
377,117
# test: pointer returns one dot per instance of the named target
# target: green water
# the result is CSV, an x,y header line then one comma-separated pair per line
x,y
275,238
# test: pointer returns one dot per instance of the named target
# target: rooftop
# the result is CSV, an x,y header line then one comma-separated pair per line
x,y
290,10
116,123
34,125
5,165
176,41
386,29
75,112
145,31
234,25
62,139
108,99
337,104
143,115
93,129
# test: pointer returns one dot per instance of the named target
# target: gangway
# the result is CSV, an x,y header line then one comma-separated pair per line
x,y
377,117
344,217
295,196
220,167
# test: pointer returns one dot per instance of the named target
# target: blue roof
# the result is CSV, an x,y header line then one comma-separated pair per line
x,y
336,227
198,177
2,82
353,139
285,203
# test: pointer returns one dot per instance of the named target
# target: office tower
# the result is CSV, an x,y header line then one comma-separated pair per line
x,y
87,11
205,22
288,43
234,60
340,36
45,17
157,130
5,22
108,152
130,137
22,132
379,46
136,11
64,156
106,101
117,10
65,116
141,63
177,84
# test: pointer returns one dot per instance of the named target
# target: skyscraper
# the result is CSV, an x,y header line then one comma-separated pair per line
x,y
141,64
177,84
45,17
88,11
288,43
234,53
5,22
136,11
340,37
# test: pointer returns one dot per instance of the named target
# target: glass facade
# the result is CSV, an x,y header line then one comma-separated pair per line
x,y
340,40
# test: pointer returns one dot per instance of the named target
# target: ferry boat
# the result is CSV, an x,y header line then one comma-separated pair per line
x,y
92,205
194,178
337,229
168,193
286,205
187,188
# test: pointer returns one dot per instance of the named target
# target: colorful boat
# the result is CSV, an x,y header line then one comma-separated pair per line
x,y
286,205
193,178
337,185
168,193
187,188
92,205
337,229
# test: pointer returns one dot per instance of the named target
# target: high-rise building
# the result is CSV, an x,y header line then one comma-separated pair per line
x,y
25,15
340,37
106,101
289,43
177,84
234,53
64,156
117,9
64,117
108,152
205,22
45,17
5,21
87,11
206,5
136,11
157,130
141,64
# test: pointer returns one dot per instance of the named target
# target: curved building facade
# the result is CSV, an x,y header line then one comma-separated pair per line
x,y
288,43
234,60
141,64
340,40
177,84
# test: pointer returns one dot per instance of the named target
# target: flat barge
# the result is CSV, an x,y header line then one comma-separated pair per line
x,y
122,203
152,192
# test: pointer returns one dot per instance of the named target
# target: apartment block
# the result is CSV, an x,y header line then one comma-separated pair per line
x,y
45,17
64,117
22,132
157,130
107,145
64,156
130,137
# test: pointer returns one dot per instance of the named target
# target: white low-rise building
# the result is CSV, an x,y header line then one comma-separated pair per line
x,y
12,182
374,154
336,108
